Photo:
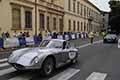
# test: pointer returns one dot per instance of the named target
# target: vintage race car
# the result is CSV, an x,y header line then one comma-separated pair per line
x,y
49,55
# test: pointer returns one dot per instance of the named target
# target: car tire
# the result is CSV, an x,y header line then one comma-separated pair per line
x,y
73,61
47,67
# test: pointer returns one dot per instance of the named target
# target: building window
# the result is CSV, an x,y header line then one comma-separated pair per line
x,y
52,1
81,9
61,25
81,26
54,23
28,19
69,5
78,26
16,18
48,23
69,22
74,25
84,26
78,6
84,10
74,6
42,21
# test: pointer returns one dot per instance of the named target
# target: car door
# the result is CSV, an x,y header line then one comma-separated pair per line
x,y
65,52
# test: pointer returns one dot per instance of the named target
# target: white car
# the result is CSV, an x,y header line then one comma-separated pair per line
x,y
49,55
110,38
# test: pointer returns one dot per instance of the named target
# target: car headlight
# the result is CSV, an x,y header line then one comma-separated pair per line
x,y
35,60
11,55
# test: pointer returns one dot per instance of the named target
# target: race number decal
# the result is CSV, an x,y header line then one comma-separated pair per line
x,y
72,55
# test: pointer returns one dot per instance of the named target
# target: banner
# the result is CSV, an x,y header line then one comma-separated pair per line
x,y
11,42
29,41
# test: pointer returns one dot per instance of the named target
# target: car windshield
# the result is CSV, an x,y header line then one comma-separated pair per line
x,y
44,43
110,35
51,44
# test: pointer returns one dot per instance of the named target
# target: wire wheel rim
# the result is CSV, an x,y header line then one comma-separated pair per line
x,y
48,67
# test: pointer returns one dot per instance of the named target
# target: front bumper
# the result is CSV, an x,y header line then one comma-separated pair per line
x,y
21,67
110,41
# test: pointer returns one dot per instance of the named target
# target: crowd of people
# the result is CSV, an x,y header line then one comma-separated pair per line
x,y
47,34
15,34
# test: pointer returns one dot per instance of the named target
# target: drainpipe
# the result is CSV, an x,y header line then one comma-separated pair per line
x,y
35,17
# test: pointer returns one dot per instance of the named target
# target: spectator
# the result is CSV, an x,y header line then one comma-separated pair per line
x,y
20,34
24,34
7,34
54,36
40,37
3,35
15,34
27,34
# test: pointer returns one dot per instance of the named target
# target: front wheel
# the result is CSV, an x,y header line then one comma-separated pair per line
x,y
47,67
73,56
73,61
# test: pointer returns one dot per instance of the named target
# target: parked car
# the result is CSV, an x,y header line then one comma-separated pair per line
x,y
49,55
110,38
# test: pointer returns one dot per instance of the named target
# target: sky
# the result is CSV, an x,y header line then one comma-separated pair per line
x,y
101,4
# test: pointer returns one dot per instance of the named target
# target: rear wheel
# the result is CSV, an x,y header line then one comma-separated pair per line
x,y
48,66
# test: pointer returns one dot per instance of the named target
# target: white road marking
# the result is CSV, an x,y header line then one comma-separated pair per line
x,y
4,64
22,77
88,44
7,71
98,41
65,75
97,76
3,60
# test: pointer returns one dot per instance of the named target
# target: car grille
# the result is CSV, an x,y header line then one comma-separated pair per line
x,y
18,66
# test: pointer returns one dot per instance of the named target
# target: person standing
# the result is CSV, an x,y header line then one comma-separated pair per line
x,y
15,34
7,35
3,35
91,36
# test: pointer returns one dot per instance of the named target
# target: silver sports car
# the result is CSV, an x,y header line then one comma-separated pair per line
x,y
49,55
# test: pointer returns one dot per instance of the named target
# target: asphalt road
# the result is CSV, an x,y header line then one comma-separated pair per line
x,y
99,58
96,62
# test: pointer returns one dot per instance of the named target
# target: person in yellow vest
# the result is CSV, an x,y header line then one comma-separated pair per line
x,y
103,34
91,36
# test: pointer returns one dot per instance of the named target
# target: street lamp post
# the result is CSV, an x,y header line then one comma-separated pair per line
x,y
35,17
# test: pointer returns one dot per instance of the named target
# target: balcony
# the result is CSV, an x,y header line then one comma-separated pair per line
x,y
90,18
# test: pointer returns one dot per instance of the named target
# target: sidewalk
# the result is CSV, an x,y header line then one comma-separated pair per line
x,y
75,43
80,42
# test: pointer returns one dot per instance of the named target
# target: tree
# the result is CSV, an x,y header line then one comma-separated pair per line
x,y
115,15
115,23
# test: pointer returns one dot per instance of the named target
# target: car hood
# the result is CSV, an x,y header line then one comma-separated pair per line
x,y
26,55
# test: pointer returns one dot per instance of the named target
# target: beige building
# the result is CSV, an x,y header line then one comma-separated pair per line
x,y
81,15
31,15
44,16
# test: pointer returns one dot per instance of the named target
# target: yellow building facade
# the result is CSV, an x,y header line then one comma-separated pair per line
x,y
41,16
81,16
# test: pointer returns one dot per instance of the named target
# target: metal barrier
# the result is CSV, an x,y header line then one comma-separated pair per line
x,y
35,40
